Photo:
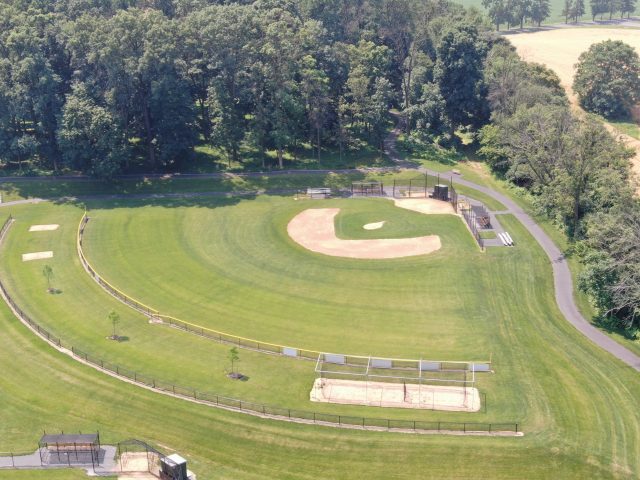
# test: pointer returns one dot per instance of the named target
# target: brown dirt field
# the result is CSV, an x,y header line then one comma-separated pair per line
x,y
314,229
559,50
428,206
383,394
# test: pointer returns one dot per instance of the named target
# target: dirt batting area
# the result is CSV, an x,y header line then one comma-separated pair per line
x,y
428,206
559,50
135,465
395,395
314,229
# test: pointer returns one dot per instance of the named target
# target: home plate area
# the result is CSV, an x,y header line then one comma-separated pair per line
x,y
396,395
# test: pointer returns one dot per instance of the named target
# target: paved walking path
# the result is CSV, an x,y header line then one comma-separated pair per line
x,y
562,279
34,461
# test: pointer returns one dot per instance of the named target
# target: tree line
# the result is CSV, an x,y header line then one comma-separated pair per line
x,y
105,86
518,12
576,172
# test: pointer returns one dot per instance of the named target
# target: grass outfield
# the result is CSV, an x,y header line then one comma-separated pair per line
x,y
154,350
580,407
233,267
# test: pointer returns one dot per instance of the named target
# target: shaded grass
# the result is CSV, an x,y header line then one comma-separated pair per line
x,y
628,127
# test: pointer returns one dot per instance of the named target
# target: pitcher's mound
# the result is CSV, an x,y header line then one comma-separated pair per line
x,y
314,229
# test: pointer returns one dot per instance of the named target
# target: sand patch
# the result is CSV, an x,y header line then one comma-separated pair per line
x,y
36,256
374,226
136,465
395,395
43,228
314,229
428,206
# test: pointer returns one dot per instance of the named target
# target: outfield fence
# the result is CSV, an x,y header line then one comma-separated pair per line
x,y
257,409
222,337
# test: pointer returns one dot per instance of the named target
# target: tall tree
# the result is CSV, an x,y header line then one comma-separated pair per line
x,y
540,11
459,74
90,138
567,10
607,78
497,11
627,7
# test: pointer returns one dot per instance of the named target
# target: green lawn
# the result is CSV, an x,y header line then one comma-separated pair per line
x,y
577,403
556,11
628,127
294,307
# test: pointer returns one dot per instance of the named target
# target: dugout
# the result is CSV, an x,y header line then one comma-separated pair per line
x,y
70,449
367,189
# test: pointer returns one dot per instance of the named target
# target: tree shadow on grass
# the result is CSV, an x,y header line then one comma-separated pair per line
x,y
611,326
175,191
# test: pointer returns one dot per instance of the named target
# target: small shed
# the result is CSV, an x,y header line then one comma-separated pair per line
x,y
77,449
173,467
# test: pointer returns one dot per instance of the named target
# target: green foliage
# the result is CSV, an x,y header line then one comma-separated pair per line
x,y
233,357
429,114
458,72
607,79
47,271
89,136
612,262
162,78
114,319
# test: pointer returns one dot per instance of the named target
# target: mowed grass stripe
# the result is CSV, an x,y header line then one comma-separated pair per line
x,y
164,353
236,270
571,387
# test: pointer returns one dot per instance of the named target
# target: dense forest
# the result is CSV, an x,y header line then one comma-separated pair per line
x,y
110,86
98,86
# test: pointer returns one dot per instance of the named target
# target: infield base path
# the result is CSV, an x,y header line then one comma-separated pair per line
x,y
314,229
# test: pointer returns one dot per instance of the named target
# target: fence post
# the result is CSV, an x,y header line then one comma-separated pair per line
x,y
464,427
